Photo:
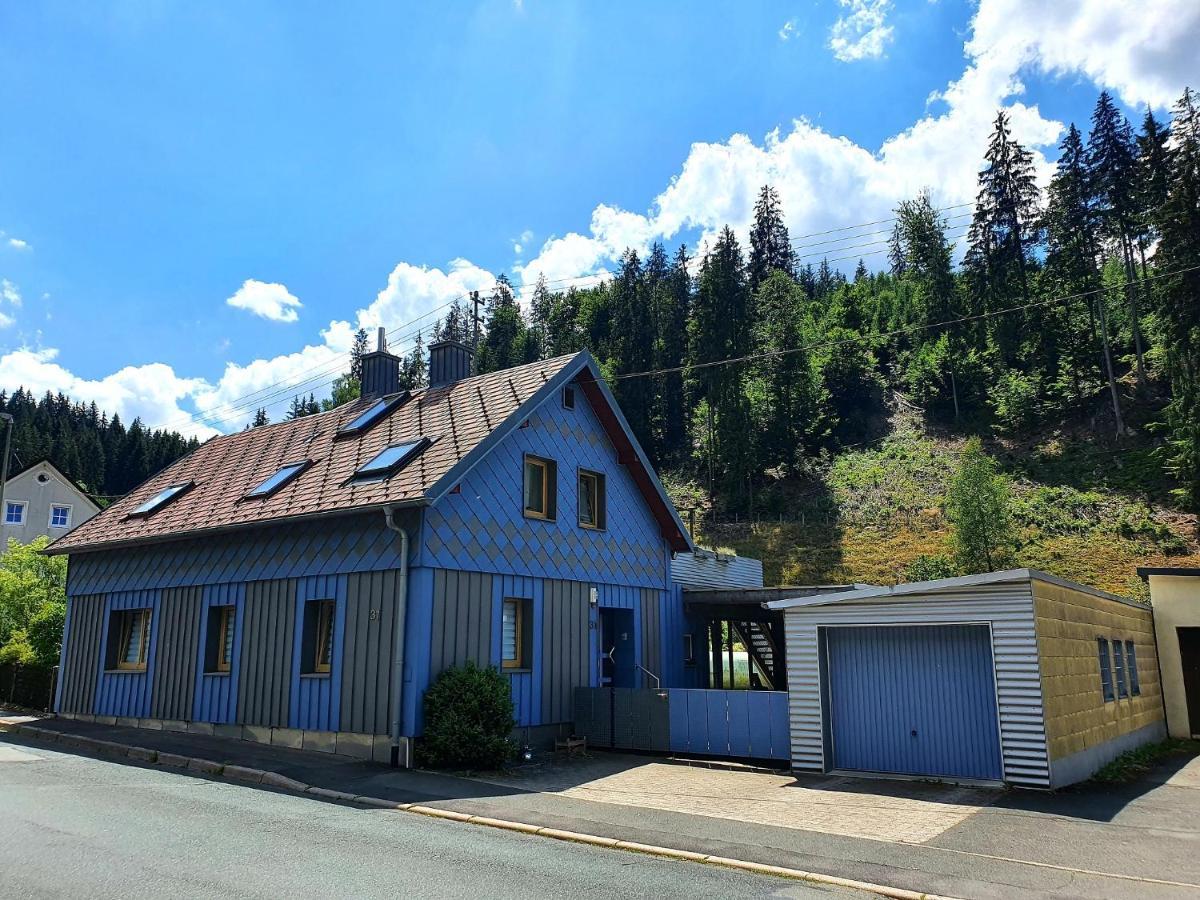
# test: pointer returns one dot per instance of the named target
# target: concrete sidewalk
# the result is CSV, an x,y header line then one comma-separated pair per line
x,y
1138,841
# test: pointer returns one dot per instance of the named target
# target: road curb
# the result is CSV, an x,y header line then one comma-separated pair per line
x,y
282,782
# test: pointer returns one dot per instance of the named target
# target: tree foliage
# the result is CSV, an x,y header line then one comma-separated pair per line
x,y
977,505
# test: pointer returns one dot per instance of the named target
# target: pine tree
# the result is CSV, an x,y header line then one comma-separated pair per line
x,y
357,351
1178,259
1003,233
414,369
541,308
507,342
1112,168
1071,252
770,246
673,309
260,418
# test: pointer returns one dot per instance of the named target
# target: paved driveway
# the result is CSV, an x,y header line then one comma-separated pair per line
x,y
904,811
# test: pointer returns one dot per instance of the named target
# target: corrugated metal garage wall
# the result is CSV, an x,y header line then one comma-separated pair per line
x,y
1009,609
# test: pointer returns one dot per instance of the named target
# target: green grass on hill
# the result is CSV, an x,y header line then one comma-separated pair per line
x,y
1084,513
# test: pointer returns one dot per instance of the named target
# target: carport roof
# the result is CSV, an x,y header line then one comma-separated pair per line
x,y
942,584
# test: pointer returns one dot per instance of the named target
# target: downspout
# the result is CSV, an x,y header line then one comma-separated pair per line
x,y
389,513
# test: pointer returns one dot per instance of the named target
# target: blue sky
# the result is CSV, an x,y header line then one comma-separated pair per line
x,y
200,200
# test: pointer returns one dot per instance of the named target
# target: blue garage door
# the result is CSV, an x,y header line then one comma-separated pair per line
x,y
913,700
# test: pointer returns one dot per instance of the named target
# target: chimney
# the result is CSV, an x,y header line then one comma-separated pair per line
x,y
380,371
449,361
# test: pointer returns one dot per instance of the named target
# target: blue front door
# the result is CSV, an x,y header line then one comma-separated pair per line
x,y
912,700
616,648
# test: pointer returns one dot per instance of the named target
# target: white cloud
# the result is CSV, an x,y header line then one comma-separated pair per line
x,y
824,180
1146,52
266,299
863,33
6,321
18,244
522,242
9,292
788,31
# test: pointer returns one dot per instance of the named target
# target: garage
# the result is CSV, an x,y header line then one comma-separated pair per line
x,y
914,700
1014,677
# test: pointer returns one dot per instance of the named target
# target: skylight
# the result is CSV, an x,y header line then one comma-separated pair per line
x,y
372,414
390,460
278,480
162,498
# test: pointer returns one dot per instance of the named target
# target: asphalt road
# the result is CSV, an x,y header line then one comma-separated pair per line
x,y
71,826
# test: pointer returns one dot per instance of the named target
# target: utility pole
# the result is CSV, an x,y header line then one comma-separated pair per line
x,y
475,321
8,430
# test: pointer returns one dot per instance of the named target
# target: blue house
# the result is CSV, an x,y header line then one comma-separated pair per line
x,y
302,583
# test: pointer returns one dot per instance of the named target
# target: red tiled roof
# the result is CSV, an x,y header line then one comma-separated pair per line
x,y
456,417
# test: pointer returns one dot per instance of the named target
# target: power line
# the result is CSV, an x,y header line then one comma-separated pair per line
x,y
773,354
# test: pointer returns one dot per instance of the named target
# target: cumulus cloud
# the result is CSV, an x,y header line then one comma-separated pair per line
x,y
825,181
9,292
862,32
266,299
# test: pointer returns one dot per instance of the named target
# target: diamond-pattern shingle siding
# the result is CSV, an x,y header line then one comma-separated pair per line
x,y
456,417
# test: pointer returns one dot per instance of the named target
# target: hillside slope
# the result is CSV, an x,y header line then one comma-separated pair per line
x,y
1084,512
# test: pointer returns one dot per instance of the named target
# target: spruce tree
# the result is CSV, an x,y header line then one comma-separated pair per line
x,y
770,246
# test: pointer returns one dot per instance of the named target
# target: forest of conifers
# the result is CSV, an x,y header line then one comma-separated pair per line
x,y
739,365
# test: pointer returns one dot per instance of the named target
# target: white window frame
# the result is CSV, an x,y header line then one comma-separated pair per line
x,y
53,506
23,504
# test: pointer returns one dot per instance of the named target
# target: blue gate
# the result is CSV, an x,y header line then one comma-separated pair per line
x,y
913,700
733,724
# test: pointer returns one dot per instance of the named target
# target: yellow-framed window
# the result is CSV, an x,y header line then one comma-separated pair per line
x,y
591,499
538,492
135,640
228,620
513,649
323,654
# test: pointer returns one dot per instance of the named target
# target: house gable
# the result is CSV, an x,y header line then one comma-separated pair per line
x,y
479,524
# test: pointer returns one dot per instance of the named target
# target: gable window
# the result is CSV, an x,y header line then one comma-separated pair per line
x,y
1106,684
515,621
318,636
1119,669
568,398
162,498
541,476
218,651
591,499
60,516
14,512
278,480
1135,685
128,640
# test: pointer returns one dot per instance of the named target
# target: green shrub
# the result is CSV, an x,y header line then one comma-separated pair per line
x,y
468,719
927,567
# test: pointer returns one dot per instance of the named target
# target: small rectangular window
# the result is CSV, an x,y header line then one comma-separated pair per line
x,y
60,516
539,487
515,622
218,654
128,640
1119,669
373,414
1106,684
1135,683
14,512
318,637
569,398
689,650
591,499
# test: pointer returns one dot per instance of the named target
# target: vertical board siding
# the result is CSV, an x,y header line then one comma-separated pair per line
x,y
264,676
462,621
565,660
81,656
179,647
652,656
368,652
125,693
912,699
1008,608
315,699
526,689
216,693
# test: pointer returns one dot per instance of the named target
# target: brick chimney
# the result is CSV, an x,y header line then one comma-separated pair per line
x,y
380,371
449,361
